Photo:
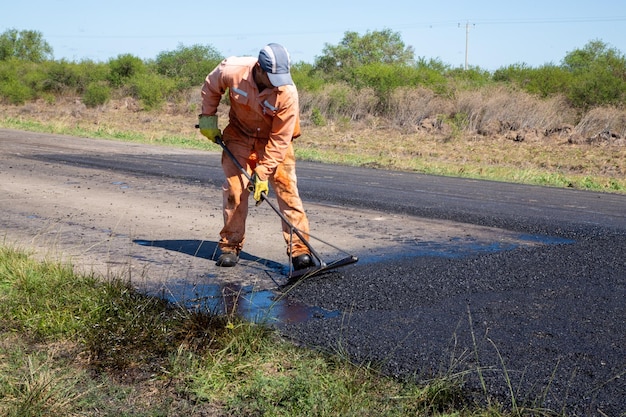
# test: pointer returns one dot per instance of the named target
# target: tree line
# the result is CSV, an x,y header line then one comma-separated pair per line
x,y
374,65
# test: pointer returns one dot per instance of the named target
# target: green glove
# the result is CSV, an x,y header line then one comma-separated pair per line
x,y
208,127
260,187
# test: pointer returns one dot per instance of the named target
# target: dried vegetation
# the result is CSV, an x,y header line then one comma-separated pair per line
x,y
493,133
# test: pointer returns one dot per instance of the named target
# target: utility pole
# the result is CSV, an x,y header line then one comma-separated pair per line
x,y
467,28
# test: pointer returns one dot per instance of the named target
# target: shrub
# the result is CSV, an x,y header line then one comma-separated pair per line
x,y
62,77
341,100
15,92
96,94
123,68
471,78
90,71
32,76
549,80
383,79
317,118
151,89
306,78
67,77
597,87
189,64
599,75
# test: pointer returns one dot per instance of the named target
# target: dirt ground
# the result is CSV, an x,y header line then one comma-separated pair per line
x,y
161,230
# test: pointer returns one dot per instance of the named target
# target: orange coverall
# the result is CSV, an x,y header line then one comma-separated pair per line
x,y
260,131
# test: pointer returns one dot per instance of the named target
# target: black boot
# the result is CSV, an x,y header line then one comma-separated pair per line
x,y
302,262
227,259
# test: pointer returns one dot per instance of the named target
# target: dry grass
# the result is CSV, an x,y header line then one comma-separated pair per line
x,y
603,120
493,133
495,110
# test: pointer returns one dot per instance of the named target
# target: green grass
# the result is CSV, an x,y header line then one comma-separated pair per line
x,y
107,133
81,346
467,170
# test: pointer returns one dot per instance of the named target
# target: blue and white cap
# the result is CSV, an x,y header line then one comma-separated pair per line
x,y
275,60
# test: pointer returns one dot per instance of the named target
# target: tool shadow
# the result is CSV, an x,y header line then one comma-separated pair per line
x,y
206,249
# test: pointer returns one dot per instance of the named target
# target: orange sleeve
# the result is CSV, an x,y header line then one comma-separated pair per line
x,y
212,90
285,126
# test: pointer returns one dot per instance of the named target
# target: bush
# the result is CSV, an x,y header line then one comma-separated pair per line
x,y
597,87
152,89
305,78
19,80
15,92
545,81
386,78
96,94
90,71
123,68
317,118
592,76
71,77
32,76
188,64
471,78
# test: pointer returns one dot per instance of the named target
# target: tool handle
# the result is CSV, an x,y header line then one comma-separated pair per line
x,y
220,142
295,230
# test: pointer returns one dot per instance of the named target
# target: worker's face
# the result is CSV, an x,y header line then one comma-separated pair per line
x,y
261,78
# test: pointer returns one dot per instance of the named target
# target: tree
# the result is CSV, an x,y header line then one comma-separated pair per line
x,y
599,75
376,47
595,53
123,67
188,63
27,45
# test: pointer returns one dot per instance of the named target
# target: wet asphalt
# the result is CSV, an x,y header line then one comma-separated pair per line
x,y
540,327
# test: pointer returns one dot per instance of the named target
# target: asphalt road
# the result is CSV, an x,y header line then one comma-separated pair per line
x,y
519,289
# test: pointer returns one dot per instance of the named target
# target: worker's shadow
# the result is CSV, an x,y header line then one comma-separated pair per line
x,y
203,249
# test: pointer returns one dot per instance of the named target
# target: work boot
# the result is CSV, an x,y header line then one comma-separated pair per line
x,y
302,262
227,259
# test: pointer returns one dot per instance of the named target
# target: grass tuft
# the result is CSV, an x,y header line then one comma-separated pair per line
x,y
74,344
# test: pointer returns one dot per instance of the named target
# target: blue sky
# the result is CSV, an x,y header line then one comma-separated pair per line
x,y
500,33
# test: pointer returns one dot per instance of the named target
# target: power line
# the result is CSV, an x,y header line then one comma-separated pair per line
x,y
413,25
552,20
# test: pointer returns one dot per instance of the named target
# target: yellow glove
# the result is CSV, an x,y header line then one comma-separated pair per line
x,y
208,127
260,187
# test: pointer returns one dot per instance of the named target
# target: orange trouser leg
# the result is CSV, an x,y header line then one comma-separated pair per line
x,y
285,184
236,195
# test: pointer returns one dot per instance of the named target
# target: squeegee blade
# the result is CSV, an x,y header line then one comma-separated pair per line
x,y
320,269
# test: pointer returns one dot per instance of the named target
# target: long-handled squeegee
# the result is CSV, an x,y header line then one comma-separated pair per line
x,y
320,266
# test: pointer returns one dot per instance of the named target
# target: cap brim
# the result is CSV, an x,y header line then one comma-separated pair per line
x,y
280,79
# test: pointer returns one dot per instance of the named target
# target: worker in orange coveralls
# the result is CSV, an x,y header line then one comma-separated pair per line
x,y
263,121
